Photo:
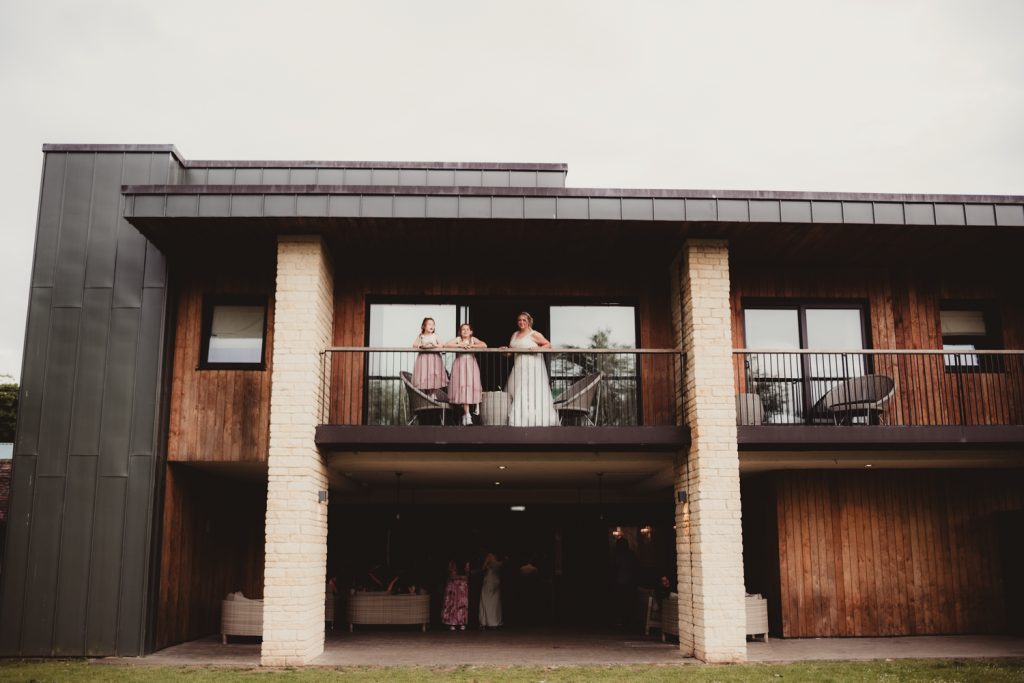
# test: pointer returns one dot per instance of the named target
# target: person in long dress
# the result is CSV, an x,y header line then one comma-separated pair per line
x,y
532,405
465,387
455,611
490,593
428,373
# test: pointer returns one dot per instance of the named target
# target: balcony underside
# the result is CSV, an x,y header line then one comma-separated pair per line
x,y
332,438
878,437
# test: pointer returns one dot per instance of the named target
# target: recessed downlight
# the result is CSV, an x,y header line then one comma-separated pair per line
x,y
518,508
501,467
497,483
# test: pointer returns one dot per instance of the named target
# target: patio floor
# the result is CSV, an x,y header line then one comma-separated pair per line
x,y
390,646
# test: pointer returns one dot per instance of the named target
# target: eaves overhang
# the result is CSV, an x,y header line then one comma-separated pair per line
x,y
144,203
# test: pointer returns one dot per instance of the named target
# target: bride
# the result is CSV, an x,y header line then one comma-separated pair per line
x,y
528,386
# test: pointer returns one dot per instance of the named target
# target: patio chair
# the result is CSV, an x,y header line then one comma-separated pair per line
x,y
749,409
577,400
863,396
422,403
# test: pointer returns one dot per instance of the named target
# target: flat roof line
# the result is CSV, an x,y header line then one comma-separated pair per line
x,y
406,190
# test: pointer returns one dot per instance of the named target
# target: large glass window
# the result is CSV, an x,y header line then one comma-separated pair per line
x,y
234,330
790,384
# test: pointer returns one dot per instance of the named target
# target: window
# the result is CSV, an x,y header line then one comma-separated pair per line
x,y
789,384
234,330
969,327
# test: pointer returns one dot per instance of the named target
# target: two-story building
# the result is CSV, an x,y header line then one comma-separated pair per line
x,y
817,397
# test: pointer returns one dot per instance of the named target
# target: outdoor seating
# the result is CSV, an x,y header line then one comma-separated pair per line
x,y
384,608
240,616
422,403
577,400
863,396
749,409
670,616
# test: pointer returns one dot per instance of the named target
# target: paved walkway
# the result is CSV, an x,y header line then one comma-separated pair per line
x,y
394,646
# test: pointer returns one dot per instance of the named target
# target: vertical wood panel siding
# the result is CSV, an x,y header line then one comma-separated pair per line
x,y
902,309
883,553
212,545
219,415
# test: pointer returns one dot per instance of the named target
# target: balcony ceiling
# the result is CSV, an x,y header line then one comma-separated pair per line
x,y
525,472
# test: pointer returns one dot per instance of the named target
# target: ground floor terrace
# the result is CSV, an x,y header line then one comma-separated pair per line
x,y
927,548
553,647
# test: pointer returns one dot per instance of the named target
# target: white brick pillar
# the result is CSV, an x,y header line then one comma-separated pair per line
x,y
709,538
296,525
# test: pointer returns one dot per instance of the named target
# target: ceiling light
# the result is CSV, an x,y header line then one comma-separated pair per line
x,y
868,465
501,467
497,483
518,508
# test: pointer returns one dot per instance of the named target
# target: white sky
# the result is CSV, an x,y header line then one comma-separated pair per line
x,y
891,96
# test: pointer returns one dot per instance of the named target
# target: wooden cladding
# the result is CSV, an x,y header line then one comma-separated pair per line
x,y
901,311
883,553
212,545
219,415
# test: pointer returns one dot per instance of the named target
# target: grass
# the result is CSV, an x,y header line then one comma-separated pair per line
x,y
933,671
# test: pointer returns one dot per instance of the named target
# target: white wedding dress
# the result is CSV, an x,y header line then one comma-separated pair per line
x,y
532,405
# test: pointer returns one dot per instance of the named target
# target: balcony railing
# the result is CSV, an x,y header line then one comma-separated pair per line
x,y
544,387
898,388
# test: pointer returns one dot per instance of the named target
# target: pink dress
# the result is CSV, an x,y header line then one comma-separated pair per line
x,y
455,611
428,372
465,387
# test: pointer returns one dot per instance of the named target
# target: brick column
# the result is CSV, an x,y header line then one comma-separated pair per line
x,y
296,530
709,539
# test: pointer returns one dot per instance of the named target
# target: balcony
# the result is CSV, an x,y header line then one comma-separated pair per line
x,y
555,399
868,398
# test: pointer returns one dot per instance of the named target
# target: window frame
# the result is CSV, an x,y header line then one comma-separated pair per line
x,y
992,340
801,305
210,302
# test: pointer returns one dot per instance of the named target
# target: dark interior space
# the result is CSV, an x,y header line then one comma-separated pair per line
x,y
570,547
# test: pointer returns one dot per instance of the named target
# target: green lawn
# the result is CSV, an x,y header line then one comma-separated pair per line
x,y
933,671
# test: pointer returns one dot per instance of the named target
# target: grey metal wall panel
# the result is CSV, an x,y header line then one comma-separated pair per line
x,y
106,213
330,176
221,176
919,214
1009,215
58,388
160,168
30,403
147,374
495,179
274,176
523,178
949,214
983,214
413,176
468,178
90,390
130,267
385,176
41,575
76,543
135,555
156,268
19,517
69,272
118,384
302,176
765,211
49,219
105,565
311,205
248,176
91,361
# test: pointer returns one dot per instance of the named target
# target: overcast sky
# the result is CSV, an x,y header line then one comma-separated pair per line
x,y
893,96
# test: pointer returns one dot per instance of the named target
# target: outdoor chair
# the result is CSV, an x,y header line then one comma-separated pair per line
x,y
863,396
749,409
422,403
577,400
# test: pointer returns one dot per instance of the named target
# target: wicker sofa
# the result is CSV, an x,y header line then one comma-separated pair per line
x,y
756,616
242,616
384,608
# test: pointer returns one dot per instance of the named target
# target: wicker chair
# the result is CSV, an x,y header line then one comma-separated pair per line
x,y
863,396
421,403
670,616
240,616
577,400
